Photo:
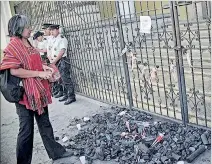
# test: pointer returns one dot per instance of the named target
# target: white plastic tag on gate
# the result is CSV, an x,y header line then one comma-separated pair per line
x,y
145,24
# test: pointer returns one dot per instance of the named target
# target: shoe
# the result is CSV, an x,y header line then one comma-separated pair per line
x,y
69,101
68,153
60,94
64,98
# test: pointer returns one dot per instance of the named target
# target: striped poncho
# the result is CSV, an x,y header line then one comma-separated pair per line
x,y
37,92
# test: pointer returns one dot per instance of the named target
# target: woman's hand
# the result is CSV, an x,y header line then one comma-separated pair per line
x,y
45,74
46,68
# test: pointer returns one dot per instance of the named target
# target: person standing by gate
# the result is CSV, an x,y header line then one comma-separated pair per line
x,y
47,32
49,38
59,58
24,62
41,45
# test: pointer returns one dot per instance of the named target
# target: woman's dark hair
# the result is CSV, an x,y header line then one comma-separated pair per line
x,y
16,25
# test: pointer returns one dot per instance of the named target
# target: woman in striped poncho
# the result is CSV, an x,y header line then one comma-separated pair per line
x,y
25,62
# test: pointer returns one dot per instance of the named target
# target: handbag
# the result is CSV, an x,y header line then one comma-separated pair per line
x,y
10,87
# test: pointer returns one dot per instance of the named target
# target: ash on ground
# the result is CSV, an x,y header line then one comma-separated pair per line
x,y
134,137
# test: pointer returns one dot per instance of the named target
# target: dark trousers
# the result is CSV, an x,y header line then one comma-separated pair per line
x,y
65,85
57,87
26,132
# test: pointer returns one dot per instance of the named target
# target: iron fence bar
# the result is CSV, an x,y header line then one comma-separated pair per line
x,y
70,46
179,62
123,88
77,13
85,53
147,63
124,58
53,16
208,4
61,17
104,53
153,97
97,74
144,88
59,13
108,48
64,23
123,17
161,65
80,49
98,55
32,15
48,13
208,11
100,85
75,52
133,39
139,43
89,33
192,69
39,12
100,64
200,49
119,65
71,51
43,13
91,49
29,12
114,74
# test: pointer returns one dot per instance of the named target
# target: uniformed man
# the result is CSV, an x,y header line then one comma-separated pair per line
x,y
47,31
59,57
41,45
47,34
48,37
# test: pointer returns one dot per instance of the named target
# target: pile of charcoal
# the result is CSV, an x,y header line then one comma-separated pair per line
x,y
134,137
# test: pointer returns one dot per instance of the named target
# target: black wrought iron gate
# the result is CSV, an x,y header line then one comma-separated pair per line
x,y
167,72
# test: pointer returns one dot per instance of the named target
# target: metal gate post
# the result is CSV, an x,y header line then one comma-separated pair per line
x,y
209,8
61,17
124,57
179,61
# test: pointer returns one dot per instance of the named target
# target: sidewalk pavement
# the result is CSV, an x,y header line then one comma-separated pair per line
x,y
60,116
